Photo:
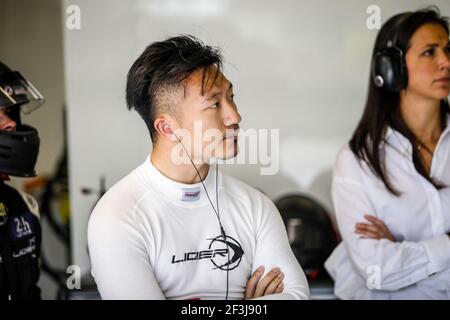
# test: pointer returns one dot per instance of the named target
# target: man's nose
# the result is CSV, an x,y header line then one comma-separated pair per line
x,y
231,116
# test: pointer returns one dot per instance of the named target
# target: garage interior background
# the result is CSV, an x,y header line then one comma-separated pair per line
x,y
297,66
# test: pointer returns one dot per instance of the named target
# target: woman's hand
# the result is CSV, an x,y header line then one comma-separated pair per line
x,y
270,284
376,229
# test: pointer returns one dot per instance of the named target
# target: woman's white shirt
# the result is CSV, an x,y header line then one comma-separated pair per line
x,y
417,265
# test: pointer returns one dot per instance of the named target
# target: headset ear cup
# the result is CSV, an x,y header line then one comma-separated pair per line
x,y
378,76
387,69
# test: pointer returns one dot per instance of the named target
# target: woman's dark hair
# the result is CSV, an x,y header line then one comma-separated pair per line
x,y
382,108
161,69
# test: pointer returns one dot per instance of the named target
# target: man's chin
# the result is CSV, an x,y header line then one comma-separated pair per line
x,y
230,155
227,153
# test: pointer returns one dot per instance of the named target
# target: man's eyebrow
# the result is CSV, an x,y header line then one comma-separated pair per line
x,y
213,95
216,93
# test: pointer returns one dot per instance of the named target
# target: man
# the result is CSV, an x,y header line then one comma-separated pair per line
x,y
175,227
20,231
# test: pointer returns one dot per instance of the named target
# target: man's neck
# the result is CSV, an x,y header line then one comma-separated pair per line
x,y
182,173
422,116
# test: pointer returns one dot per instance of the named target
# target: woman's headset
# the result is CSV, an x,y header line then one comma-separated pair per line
x,y
389,70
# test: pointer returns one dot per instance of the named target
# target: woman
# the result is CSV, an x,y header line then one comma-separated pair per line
x,y
391,182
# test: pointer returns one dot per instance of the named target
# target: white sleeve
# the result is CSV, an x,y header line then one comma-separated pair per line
x,y
120,262
399,264
273,250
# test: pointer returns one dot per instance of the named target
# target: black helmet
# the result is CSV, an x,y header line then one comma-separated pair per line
x,y
18,149
310,232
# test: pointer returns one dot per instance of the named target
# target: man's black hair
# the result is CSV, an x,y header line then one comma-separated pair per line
x,y
159,72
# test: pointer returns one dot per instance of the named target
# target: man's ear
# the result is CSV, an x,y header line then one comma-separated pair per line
x,y
163,125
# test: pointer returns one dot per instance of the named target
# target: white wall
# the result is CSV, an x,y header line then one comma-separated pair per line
x,y
298,66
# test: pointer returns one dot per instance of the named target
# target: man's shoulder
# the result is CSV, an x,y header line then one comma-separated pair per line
x,y
22,197
31,203
120,198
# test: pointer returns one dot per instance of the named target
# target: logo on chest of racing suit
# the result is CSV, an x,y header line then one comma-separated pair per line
x,y
29,249
190,194
20,226
216,253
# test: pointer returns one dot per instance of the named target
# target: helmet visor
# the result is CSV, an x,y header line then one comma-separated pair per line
x,y
16,90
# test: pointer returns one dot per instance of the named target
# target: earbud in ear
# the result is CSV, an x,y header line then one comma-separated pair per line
x,y
167,129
